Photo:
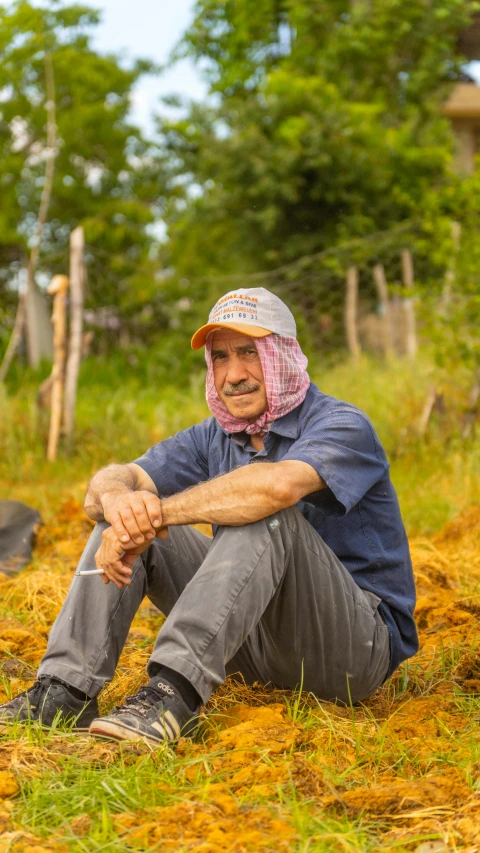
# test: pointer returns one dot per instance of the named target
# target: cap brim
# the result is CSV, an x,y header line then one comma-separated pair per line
x,y
200,336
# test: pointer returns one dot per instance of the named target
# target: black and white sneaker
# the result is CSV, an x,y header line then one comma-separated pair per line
x,y
46,702
157,713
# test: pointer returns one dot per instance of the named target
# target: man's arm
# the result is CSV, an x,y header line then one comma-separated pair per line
x,y
242,496
125,496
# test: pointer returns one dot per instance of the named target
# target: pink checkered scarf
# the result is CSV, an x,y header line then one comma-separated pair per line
x,y
286,383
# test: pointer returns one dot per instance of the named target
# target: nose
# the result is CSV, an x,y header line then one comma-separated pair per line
x,y
236,371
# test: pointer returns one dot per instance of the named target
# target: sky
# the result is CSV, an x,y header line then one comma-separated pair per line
x,y
149,29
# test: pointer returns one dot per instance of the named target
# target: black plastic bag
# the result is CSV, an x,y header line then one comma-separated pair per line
x,y
18,524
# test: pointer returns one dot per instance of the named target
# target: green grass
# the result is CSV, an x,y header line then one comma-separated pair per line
x,y
127,781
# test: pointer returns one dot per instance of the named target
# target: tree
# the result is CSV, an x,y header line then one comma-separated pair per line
x,y
104,176
323,124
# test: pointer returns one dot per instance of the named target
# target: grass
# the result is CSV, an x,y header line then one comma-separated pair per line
x,y
271,770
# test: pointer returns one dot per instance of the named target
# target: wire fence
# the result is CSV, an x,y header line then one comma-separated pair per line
x,y
355,296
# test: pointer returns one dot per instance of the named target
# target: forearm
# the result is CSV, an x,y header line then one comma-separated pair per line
x,y
113,480
240,497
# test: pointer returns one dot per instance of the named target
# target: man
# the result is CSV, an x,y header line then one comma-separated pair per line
x,y
307,581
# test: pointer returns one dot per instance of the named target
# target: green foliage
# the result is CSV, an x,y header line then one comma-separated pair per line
x,y
324,124
452,304
388,51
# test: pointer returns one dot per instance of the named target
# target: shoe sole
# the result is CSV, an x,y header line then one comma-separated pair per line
x,y
6,726
114,731
7,722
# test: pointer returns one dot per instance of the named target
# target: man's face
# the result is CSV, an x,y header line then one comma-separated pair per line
x,y
238,374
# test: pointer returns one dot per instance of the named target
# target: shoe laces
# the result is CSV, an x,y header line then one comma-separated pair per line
x,y
34,694
141,703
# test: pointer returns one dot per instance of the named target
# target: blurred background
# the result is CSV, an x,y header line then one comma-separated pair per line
x,y
156,156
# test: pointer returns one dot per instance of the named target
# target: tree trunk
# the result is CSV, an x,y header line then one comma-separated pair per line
x,y
24,313
14,337
32,329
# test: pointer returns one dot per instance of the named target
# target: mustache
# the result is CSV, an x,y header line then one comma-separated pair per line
x,y
242,387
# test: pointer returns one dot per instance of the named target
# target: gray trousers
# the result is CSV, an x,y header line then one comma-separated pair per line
x,y
267,600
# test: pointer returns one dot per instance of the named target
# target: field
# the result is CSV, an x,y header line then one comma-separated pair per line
x,y
271,770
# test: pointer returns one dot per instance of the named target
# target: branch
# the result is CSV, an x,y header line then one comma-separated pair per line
x,y
14,337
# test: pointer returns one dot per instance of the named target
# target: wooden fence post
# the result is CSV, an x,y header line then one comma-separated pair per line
x,y
77,275
351,310
384,305
58,288
427,410
408,305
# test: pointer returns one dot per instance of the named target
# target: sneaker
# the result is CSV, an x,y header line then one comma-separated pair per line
x,y
46,702
155,714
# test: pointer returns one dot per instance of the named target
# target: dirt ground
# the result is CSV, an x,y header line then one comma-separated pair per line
x,y
405,766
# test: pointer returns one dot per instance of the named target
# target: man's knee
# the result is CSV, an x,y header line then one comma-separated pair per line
x,y
98,529
95,539
289,515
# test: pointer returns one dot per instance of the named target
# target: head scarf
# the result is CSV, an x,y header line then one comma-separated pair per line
x,y
286,383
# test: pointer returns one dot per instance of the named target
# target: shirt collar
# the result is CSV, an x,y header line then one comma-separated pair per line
x,y
286,426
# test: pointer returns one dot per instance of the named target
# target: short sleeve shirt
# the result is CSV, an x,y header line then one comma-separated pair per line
x,y
357,515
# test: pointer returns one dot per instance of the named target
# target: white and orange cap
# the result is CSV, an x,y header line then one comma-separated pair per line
x,y
253,311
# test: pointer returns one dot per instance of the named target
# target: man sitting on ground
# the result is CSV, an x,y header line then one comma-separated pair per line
x,y
306,582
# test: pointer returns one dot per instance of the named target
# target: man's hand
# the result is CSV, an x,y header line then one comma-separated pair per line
x,y
115,561
136,517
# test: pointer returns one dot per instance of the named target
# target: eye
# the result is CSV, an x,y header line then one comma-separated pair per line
x,y
218,355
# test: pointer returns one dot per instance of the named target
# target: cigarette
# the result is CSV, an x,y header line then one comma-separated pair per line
x,y
90,572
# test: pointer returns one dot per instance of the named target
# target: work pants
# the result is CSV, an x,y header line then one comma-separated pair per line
x,y
268,600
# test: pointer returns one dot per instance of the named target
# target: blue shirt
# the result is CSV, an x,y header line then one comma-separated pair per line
x,y
357,515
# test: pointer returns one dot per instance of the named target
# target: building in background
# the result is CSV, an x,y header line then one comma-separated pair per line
x,y
463,107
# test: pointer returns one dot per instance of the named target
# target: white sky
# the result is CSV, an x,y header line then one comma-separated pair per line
x,y
149,29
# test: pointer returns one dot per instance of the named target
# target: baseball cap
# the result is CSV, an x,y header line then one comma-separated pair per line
x,y
253,311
